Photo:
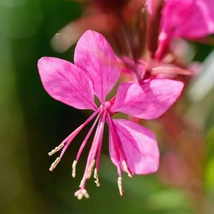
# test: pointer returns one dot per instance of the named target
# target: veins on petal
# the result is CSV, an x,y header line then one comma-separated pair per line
x,y
92,104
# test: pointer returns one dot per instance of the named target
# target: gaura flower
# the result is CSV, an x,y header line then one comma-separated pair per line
x,y
132,148
189,19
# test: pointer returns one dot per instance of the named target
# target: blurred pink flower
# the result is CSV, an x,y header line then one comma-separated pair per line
x,y
132,147
189,19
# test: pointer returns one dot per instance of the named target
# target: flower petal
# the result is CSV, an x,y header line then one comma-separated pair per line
x,y
94,55
147,100
139,146
65,82
197,15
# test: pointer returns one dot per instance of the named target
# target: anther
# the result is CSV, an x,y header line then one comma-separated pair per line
x,y
97,182
90,169
54,164
81,193
119,182
126,169
74,169
56,149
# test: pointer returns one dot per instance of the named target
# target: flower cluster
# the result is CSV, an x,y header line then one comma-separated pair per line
x,y
95,72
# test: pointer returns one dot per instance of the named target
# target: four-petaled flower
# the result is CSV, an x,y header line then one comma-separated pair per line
x,y
132,147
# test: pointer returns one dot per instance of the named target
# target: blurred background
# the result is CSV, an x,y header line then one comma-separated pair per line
x,y
32,124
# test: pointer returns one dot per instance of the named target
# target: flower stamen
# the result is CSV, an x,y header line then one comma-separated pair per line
x,y
54,164
56,149
90,169
120,187
70,138
97,182
126,169
74,169
93,150
86,139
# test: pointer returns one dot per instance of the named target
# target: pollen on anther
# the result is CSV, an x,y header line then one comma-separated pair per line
x,y
90,169
74,169
54,164
97,182
120,187
56,149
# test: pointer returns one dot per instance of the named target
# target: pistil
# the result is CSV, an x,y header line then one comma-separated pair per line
x,y
81,193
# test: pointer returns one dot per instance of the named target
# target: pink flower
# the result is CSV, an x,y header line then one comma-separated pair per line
x,y
132,147
189,19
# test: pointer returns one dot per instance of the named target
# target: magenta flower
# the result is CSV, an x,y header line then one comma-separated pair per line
x,y
132,148
189,19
